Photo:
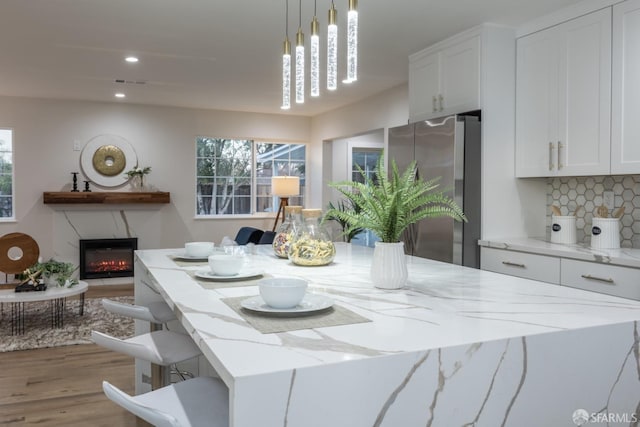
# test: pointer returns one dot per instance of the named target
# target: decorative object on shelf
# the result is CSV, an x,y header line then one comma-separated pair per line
x,y
75,181
104,158
284,187
86,187
109,160
311,245
287,230
387,206
136,175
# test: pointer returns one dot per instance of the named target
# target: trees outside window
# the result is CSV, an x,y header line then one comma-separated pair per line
x,y
234,175
6,174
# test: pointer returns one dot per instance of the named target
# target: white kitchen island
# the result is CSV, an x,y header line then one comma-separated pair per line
x,y
456,347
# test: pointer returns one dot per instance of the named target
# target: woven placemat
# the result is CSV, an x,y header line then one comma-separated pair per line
x,y
268,324
227,283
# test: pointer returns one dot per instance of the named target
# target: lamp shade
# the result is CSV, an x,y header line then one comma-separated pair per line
x,y
285,186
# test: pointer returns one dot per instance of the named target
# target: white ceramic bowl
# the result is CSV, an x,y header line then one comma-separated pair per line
x,y
222,264
282,292
198,249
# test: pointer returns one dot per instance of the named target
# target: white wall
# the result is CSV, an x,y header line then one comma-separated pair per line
x,y
163,137
387,109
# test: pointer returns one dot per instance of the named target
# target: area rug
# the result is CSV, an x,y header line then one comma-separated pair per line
x,y
77,329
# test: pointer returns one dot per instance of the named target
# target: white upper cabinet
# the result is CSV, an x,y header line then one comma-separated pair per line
x,y
445,78
563,99
625,132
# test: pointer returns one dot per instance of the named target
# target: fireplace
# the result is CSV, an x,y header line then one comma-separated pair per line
x,y
104,258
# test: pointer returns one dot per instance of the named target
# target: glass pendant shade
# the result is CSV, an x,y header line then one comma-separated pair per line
x,y
332,50
299,67
286,76
315,59
352,42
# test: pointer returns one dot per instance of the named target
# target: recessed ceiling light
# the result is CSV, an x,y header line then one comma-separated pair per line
x,y
120,95
131,59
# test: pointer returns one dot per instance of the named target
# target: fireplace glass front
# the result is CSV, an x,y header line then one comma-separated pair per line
x,y
105,258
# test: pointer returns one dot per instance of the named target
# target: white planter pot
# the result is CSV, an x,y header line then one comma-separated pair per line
x,y
389,266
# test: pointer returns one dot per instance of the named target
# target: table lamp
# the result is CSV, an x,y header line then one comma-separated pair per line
x,y
284,187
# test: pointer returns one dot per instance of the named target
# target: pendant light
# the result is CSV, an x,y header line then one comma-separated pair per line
x,y
300,60
286,63
332,49
315,55
352,42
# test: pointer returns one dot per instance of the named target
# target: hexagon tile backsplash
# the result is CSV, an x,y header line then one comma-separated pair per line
x,y
570,192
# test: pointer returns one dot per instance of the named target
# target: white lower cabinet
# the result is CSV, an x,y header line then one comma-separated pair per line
x,y
590,276
603,278
521,264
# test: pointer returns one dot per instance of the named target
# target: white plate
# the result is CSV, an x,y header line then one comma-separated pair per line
x,y
244,274
184,257
310,304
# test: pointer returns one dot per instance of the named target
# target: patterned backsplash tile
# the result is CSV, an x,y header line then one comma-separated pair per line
x,y
570,192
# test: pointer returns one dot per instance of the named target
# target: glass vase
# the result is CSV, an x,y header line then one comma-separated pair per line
x,y
287,230
311,244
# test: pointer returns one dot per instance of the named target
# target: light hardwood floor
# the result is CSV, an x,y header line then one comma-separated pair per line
x,y
62,386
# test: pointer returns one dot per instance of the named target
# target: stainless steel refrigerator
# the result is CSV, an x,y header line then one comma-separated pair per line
x,y
450,148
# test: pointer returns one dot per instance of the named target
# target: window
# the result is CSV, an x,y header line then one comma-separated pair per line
x,y
364,157
234,175
6,174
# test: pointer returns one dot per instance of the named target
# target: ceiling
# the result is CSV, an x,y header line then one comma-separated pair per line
x,y
218,54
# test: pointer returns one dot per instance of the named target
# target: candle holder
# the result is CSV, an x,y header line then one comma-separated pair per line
x,y
75,181
86,187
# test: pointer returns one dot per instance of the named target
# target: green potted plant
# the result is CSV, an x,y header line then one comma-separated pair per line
x,y
57,272
136,175
344,206
387,205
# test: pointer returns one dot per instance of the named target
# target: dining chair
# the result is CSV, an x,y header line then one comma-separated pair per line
x,y
161,348
248,235
267,237
201,401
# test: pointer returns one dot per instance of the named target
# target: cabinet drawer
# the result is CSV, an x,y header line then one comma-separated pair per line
x,y
520,264
603,278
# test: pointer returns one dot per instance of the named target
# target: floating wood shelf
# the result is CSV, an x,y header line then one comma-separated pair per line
x,y
105,198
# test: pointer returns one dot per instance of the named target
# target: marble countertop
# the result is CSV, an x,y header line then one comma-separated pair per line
x,y
626,257
444,305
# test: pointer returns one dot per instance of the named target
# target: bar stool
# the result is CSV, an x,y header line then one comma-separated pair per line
x,y
201,401
161,348
157,313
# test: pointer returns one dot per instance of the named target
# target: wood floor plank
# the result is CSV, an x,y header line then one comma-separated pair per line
x,y
62,386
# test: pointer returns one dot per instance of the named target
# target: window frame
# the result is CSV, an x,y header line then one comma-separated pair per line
x,y
253,179
12,152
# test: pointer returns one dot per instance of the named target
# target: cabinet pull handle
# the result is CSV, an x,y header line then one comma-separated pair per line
x,y
551,156
560,147
513,264
598,279
441,99
434,101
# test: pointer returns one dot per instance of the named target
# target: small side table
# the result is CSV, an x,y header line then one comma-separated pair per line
x,y
56,297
